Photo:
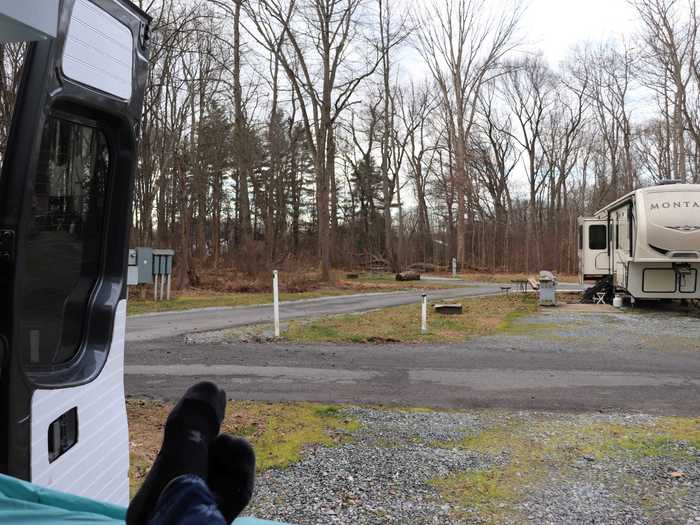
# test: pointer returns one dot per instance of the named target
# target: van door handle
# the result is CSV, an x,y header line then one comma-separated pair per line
x,y
63,434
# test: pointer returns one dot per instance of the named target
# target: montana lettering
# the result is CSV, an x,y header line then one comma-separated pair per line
x,y
675,204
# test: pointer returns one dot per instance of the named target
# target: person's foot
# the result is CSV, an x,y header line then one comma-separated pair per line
x,y
231,474
189,430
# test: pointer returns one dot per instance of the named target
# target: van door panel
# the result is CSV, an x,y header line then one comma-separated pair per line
x,y
65,202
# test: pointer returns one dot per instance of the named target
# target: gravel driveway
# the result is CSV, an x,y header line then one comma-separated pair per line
x,y
426,467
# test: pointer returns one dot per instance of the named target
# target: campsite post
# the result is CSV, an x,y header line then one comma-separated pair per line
x,y
276,301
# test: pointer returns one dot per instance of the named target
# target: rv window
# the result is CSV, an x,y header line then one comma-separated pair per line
x,y
597,237
617,236
64,241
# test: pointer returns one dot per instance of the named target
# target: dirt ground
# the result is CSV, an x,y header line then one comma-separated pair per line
x,y
580,430
320,464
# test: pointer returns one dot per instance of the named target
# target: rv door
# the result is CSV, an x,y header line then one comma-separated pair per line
x,y
65,204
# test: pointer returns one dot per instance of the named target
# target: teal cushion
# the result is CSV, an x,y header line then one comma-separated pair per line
x,y
24,503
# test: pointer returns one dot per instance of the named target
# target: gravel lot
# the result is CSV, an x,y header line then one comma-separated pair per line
x,y
603,328
387,472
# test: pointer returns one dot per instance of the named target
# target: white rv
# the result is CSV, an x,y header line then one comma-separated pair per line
x,y
648,241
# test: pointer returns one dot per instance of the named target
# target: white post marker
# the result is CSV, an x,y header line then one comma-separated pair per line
x,y
170,279
454,266
155,287
276,301
424,315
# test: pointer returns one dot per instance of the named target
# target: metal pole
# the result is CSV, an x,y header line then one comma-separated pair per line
x,y
162,286
170,279
155,287
276,301
424,315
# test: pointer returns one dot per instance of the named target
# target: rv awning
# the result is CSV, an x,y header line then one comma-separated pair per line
x,y
27,20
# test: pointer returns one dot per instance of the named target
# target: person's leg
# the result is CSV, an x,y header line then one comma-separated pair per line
x,y
231,474
187,500
191,426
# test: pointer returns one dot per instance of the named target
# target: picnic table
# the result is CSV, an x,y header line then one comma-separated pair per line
x,y
520,284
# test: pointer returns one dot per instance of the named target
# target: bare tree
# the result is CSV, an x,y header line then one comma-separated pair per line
x,y
497,157
527,89
604,75
11,60
672,53
463,41
415,107
392,31
319,60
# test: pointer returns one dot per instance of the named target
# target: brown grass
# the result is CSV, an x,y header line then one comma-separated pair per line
x,y
481,316
505,277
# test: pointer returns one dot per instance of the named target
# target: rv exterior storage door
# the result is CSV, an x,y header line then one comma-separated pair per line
x,y
65,194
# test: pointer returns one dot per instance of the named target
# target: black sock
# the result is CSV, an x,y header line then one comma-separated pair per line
x,y
191,426
231,474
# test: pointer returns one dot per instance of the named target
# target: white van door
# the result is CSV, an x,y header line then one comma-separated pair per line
x,y
65,204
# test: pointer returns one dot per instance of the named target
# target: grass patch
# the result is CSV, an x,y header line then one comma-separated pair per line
x,y
481,316
278,431
527,452
658,439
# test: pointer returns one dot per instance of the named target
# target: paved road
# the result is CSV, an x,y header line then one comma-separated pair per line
x,y
149,327
168,324
459,376
593,374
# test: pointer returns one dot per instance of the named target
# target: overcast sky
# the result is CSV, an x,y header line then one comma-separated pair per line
x,y
555,26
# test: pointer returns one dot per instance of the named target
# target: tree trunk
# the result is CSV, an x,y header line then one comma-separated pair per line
x,y
240,132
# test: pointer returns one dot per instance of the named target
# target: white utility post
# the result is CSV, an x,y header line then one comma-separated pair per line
x,y
454,266
276,301
424,315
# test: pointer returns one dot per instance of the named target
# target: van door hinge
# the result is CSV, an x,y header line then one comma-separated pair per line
x,y
7,247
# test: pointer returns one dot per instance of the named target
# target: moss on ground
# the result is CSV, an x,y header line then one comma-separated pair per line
x,y
512,327
658,439
278,431
481,316
525,452
289,428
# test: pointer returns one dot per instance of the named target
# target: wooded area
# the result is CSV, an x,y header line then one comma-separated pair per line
x,y
325,133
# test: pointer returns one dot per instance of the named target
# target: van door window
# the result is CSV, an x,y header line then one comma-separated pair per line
x,y
11,62
64,241
597,237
